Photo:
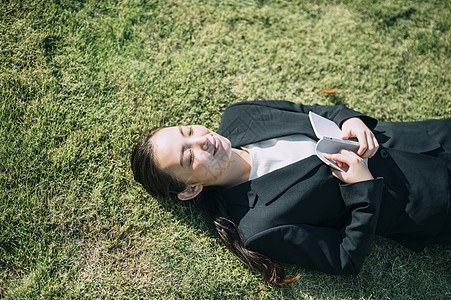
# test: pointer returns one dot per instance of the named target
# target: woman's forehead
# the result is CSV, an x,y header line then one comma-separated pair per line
x,y
165,143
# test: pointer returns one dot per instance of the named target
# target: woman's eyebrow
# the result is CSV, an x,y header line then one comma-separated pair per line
x,y
183,147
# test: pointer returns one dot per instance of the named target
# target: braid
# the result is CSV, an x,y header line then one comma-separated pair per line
x,y
272,272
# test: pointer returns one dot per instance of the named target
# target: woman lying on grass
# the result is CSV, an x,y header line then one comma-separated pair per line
x,y
271,200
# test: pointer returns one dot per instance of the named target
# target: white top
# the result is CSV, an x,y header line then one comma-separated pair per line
x,y
273,154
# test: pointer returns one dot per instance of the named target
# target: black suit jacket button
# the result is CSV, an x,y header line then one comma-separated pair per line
x,y
384,153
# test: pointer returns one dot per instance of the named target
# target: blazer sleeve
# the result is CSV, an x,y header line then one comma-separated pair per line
x,y
336,113
330,250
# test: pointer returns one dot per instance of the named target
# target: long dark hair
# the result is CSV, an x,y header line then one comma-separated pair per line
x,y
159,183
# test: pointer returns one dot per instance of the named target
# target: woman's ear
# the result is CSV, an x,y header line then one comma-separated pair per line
x,y
190,192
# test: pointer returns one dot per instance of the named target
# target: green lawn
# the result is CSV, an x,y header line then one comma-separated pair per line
x,y
81,80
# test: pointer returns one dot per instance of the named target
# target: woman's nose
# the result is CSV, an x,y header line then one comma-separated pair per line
x,y
201,142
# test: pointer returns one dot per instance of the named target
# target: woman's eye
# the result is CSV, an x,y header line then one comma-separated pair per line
x,y
191,157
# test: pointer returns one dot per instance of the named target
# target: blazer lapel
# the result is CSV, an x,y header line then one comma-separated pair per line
x,y
269,187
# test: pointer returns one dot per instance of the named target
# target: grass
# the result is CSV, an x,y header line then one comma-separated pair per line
x,y
81,80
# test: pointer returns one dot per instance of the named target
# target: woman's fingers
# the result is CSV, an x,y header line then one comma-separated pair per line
x,y
368,144
344,156
354,127
356,171
363,141
372,146
337,174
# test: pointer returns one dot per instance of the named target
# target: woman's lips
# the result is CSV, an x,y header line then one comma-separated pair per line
x,y
216,145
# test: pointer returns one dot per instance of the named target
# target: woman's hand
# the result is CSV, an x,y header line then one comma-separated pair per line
x,y
354,166
354,127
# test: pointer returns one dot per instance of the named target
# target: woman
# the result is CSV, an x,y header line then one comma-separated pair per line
x,y
271,199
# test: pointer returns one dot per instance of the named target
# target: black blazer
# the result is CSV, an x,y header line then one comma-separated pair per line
x,y
303,215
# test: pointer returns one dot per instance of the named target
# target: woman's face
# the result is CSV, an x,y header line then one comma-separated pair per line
x,y
193,154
